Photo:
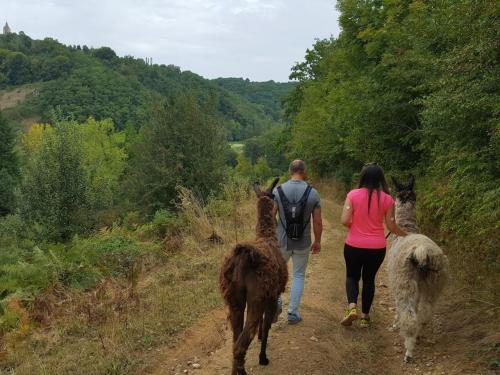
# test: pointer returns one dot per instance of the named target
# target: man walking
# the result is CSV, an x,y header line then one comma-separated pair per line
x,y
297,204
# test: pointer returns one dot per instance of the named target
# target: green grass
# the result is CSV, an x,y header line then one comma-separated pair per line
x,y
237,147
114,334
115,325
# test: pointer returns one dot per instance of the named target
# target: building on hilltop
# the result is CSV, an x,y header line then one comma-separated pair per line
x,y
6,29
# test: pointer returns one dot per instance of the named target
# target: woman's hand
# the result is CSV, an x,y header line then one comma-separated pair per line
x,y
315,247
346,218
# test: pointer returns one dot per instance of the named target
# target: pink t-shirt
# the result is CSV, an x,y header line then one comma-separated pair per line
x,y
367,228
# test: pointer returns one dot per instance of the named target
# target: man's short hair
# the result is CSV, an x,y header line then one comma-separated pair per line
x,y
297,166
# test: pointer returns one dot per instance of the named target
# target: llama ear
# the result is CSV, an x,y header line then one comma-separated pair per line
x,y
257,190
411,182
395,182
273,185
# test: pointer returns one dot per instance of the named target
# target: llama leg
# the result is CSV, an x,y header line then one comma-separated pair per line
x,y
268,320
410,342
395,323
254,315
260,329
237,317
425,308
409,330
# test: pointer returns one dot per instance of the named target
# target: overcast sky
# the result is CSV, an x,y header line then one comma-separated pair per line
x,y
256,39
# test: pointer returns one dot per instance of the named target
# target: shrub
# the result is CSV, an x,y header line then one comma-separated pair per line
x,y
165,223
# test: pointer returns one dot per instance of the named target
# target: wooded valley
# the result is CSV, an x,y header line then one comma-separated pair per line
x,y
111,167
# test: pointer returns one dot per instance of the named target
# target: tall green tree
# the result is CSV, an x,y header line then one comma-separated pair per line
x,y
55,186
184,145
9,168
103,161
17,68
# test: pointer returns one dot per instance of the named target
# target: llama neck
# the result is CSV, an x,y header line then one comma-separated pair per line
x,y
406,216
266,223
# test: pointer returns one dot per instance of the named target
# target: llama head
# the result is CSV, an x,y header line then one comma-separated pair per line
x,y
268,193
405,191
266,223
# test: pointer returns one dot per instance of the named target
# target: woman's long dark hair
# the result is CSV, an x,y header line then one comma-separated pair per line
x,y
372,177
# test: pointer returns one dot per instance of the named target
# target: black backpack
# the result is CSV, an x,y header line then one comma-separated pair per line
x,y
295,214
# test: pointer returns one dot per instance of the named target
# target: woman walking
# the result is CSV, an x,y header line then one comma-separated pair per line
x,y
365,211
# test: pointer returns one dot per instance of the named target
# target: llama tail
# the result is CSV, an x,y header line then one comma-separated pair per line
x,y
244,258
429,260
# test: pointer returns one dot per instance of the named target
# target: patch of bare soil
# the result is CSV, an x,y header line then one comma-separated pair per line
x,y
452,343
12,98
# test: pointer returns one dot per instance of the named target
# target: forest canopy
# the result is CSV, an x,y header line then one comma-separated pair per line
x,y
414,86
82,82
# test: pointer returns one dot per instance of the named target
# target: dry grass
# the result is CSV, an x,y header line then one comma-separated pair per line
x,y
112,330
10,99
331,189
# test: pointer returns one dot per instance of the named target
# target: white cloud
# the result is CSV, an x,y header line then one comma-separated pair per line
x,y
259,39
255,6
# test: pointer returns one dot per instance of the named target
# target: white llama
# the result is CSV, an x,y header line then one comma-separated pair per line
x,y
418,270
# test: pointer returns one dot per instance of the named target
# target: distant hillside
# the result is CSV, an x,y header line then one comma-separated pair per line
x,y
79,82
266,94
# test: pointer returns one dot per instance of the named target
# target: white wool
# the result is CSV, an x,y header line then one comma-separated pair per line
x,y
415,292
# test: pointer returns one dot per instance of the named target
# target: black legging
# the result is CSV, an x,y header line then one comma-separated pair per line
x,y
362,262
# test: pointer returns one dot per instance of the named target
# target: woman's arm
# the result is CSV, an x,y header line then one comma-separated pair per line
x,y
390,222
346,218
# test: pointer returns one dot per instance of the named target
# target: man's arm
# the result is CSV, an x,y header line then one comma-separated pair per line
x,y
317,229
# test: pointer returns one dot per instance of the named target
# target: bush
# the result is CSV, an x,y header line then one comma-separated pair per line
x,y
165,223
29,275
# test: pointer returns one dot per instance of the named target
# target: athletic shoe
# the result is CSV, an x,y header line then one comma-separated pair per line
x,y
293,319
350,316
365,323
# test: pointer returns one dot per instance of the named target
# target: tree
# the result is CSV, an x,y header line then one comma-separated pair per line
x,y
103,160
17,68
105,54
262,170
55,187
244,167
182,146
9,172
55,67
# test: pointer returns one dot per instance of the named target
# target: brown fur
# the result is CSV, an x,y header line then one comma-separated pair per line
x,y
252,277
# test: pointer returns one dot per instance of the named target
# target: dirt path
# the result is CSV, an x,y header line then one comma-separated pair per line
x,y
320,345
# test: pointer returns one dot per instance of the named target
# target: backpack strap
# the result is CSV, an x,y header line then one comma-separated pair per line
x,y
282,195
285,202
305,196
304,199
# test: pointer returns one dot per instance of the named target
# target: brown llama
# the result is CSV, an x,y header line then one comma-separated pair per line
x,y
253,276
